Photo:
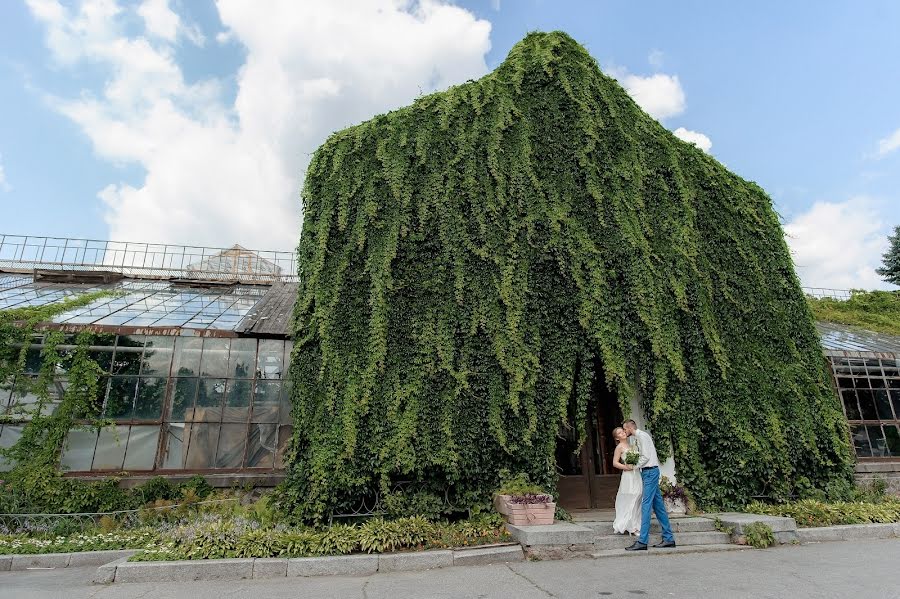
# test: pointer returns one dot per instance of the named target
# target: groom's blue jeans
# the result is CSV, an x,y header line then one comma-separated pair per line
x,y
653,498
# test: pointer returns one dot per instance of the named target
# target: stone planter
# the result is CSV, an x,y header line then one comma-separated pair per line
x,y
524,514
674,506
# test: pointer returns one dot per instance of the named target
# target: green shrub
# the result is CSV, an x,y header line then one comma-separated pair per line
x,y
157,487
759,535
517,485
199,485
811,513
420,503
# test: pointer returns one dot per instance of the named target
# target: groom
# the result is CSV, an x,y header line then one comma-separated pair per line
x,y
648,464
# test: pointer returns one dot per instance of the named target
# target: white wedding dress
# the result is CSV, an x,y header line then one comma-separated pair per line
x,y
628,503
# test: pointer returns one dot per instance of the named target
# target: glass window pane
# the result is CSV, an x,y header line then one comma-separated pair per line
x,y
861,383
23,402
177,434
867,404
33,360
202,442
110,448
861,441
288,348
102,353
262,441
852,409
232,439
877,383
284,442
895,400
266,401
8,437
845,383
210,397
79,450
894,383
127,358
286,404
181,406
157,356
892,438
237,403
120,401
187,356
215,357
883,404
270,361
142,444
876,438
5,395
151,393
242,359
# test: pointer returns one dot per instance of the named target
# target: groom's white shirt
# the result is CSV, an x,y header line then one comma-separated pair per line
x,y
647,449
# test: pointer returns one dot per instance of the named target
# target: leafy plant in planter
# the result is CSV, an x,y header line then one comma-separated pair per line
x,y
523,503
675,496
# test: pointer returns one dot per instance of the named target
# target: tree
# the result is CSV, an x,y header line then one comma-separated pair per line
x,y
890,271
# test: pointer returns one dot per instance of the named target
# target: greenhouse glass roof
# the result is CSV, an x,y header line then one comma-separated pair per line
x,y
138,303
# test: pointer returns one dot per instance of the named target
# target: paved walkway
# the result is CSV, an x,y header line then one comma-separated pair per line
x,y
844,569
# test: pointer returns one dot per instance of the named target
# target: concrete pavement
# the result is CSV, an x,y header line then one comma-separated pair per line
x,y
858,569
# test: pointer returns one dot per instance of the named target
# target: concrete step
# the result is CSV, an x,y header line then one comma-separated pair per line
x,y
680,550
684,538
689,524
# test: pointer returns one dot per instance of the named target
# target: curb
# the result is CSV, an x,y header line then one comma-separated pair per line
x,y
848,532
47,561
363,564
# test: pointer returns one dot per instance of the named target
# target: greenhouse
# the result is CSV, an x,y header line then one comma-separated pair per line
x,y
191,355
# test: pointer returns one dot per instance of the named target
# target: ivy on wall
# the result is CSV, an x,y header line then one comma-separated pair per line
x,y
465,259
35,456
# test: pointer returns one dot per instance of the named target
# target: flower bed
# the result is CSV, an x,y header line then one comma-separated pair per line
x,y
212,536
20,544
213,539
811,513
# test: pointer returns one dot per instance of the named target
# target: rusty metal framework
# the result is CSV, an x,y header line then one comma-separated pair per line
x,y
26,254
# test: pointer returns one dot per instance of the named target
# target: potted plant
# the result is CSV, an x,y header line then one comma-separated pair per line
x,y
522,503
674,496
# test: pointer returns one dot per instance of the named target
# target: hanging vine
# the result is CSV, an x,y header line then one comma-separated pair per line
x,y
464,260
35,455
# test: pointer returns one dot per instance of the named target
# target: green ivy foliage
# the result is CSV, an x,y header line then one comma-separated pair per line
x,y
467,260
34,483
872,310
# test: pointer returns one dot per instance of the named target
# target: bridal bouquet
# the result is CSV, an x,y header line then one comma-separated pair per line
x,y
632,457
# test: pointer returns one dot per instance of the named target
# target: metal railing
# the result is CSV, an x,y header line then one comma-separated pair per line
x,y
25,254
40,522
823,292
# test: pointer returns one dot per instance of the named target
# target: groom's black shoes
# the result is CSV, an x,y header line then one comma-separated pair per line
x,y
665,544
638,546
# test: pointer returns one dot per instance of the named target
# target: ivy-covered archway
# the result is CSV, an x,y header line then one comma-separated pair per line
x,y
461,255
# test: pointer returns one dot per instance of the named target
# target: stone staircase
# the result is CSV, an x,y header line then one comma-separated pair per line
x,y
689,532
590,534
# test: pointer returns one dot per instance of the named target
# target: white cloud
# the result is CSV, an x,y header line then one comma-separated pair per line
x,y
839,244
889,143
661,96
161,21
220,173
695,137
656,58
4,184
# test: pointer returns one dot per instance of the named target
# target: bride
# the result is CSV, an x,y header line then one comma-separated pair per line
x,y
628,499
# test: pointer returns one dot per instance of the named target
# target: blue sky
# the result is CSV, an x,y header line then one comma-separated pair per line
x,y
192,121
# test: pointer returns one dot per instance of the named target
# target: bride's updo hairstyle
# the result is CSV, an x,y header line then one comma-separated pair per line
x,y
616,432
